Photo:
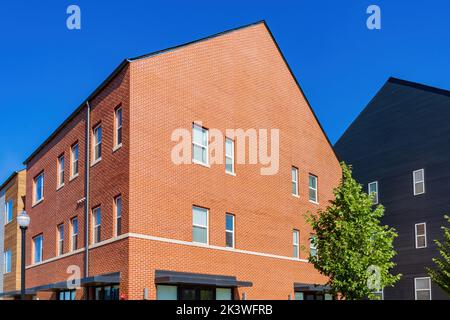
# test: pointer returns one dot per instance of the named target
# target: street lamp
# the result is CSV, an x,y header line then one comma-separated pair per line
x,y
24,221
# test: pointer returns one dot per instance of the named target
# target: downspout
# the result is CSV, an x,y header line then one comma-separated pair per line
x,y
86,194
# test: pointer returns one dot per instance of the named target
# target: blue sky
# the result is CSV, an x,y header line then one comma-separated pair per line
x,y
48,70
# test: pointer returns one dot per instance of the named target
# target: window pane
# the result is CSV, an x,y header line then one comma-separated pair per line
x,y
200,216
295,251
166,293
200,235
420,229
418,176
229,222
294,174
206,294
199,135
229,147
295,236
229,239
229,165
422,284
199,153
223,294
423,295
419,187
328,296
312,182
298,295
421,241
312,195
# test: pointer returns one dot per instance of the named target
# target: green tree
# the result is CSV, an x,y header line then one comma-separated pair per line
x,y
353,249
441,274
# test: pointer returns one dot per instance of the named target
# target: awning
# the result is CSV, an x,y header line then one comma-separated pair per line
x,y
99,280
172,277
311,287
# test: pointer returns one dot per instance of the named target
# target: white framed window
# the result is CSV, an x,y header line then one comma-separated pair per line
x,y
229,230
200,145
200,225
38,248
313,245
313,188
419,182
229,155
421,235
118,127
60,239
97,143
74,154
7,261
422,288
118,214
295,242
38,188
373,191
294,178
97,225
60,171
74,234
9,211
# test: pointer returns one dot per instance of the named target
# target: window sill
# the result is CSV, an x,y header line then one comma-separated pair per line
x,y
37,202
117,148
73,177
315,202
60,187
230,173
201,163
296,195
96,162
418,194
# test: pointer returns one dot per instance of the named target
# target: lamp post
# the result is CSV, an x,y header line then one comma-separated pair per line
x,y
23,219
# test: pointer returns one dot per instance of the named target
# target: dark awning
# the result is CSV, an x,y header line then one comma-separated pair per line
x,y
311,287
172,277
105,279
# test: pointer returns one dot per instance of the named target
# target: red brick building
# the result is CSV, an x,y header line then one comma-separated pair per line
x,y
156,229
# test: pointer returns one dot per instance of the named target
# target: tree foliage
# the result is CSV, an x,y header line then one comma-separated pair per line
x,y
354,250
441,274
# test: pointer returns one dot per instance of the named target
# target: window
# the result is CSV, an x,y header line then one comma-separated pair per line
x,y
419,182
313,188
118,213
8,211
97,222
294,176
379,294
229,155
38,244
200,225
74,235
60,239
60,171
422,288
164,292
7,260
39,188
313,245
118,127
67,295
229,230
421,235
74,161
373,191
295,236
97,143
200,145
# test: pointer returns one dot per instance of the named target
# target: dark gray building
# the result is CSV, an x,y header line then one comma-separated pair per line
x,y
399,147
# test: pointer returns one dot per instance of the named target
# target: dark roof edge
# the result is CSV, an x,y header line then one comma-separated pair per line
x,y
118,69
301,90
155,53
77,110
419,86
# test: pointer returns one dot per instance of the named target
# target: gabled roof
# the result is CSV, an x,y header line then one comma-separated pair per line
x,y
9,179
419,86
125,62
